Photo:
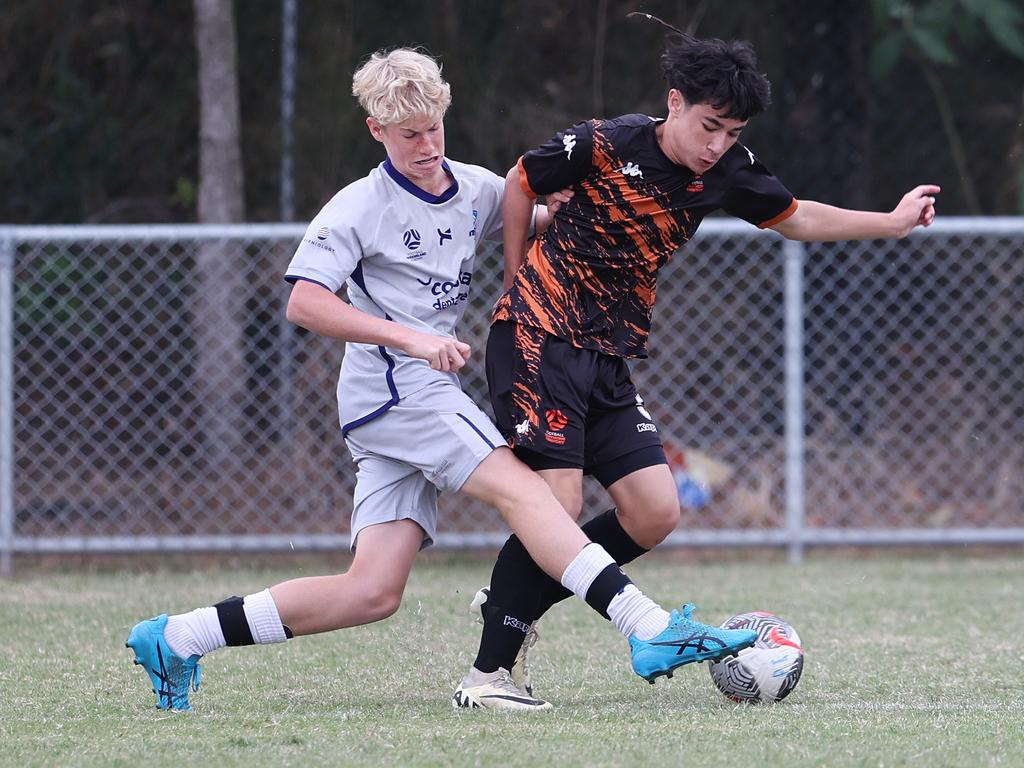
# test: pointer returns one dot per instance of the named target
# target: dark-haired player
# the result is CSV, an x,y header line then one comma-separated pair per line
x,y
413,221
579,302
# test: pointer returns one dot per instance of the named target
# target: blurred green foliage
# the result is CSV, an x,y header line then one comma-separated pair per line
x,y
99,115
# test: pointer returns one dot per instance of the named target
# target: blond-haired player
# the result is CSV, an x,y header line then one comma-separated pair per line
x,y
403,241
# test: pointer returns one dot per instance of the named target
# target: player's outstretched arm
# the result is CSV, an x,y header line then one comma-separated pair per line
x,y
817,221
317,309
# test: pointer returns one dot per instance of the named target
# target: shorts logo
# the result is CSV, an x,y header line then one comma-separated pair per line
x,y
523,427
322,233
557,421
646,427
411,238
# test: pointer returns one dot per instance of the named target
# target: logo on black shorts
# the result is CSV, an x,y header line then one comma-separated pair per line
x,y
557,421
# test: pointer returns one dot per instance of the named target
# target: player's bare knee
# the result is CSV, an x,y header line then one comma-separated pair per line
x,y
650,525
665,518
372,593
381,601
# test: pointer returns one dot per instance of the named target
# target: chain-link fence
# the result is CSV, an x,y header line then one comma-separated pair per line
x,y
152,396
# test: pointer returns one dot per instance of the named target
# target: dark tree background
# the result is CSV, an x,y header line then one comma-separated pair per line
x,y
99,107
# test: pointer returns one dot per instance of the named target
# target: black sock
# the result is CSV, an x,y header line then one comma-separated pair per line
x,y
516,584
521,592
606,530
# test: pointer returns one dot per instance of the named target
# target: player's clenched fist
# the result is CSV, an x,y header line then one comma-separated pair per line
x,y
917,208
444,353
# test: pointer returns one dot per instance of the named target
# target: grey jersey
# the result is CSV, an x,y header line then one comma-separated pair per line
x,y
405,255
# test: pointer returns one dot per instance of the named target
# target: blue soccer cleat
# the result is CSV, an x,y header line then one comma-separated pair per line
x,y
685,641
170,674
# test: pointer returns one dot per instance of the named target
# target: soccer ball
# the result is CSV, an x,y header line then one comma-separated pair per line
x,y
768,670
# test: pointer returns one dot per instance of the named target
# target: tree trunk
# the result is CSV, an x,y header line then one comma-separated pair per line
x,y
221,290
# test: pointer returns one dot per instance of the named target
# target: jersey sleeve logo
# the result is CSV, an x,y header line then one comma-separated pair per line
x,y
322,233
569,144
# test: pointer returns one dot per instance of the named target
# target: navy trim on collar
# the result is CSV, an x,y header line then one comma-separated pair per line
x,y
422,194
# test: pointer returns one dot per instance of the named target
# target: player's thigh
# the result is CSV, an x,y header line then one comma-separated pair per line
x,y
646,493
385,555
622,436
504,482
539,387
567,485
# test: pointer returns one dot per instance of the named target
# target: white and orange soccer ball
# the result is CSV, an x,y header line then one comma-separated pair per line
x,y
769,670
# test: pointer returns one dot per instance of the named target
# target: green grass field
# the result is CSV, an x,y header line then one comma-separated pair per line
x,y
915,660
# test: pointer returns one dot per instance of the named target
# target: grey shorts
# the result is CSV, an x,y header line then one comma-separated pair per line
x,y
427,444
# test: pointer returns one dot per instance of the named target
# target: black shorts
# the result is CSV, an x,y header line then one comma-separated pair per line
x,y
560,406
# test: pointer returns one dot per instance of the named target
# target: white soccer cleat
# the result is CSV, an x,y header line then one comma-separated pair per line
x,y
494,690
520,671
477,606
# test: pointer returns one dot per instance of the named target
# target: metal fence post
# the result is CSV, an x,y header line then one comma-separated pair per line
x,y
794,254
6,406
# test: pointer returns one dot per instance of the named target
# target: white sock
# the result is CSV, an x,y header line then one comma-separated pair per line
x,y
264,621
582,571
198,632
634,613
194,633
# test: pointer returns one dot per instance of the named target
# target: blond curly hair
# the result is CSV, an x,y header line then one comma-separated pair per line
x,y
397,86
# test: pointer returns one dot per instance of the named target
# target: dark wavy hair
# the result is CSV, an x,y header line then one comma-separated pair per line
x,y
722,74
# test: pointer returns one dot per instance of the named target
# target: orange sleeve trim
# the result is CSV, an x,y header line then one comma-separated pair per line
x,y
524,183
790,210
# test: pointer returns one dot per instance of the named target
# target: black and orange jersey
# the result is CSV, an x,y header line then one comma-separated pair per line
x,y
591,279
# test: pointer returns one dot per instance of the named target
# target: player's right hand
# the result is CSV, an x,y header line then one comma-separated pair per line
x,y
444,353
916,209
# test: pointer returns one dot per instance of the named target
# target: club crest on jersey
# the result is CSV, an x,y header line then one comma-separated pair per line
x,y
476,215
697,185
412,241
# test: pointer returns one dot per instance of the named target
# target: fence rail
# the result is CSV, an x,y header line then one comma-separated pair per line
x,y
152,397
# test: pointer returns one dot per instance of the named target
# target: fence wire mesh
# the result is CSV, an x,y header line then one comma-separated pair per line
x,y
159,395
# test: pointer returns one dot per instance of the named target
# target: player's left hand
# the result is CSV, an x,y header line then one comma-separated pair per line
x,y
917,208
